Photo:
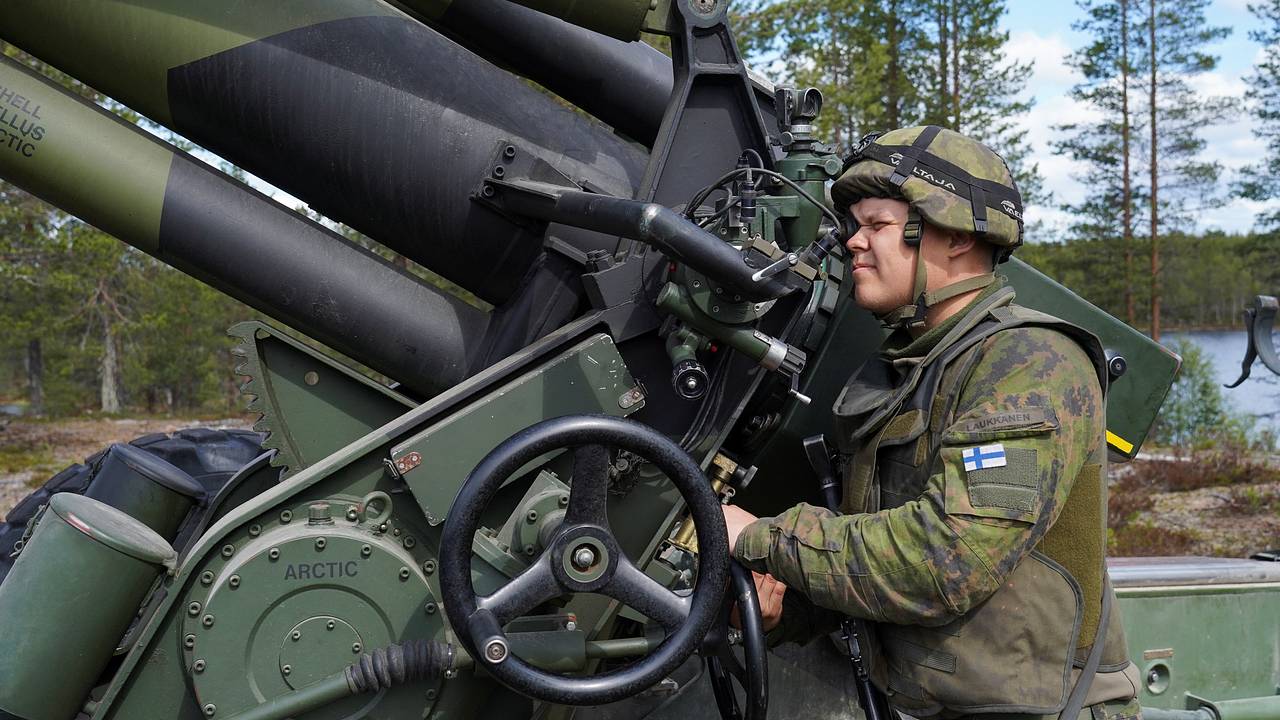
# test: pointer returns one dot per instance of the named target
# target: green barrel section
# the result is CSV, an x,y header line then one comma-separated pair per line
x,y
81,577
146,488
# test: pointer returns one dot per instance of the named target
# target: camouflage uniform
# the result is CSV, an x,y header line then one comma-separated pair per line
x,y
983,586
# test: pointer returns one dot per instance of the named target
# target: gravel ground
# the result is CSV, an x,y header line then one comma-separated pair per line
x,y
31,452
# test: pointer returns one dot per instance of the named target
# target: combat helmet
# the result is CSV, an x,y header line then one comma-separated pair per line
x,y
953,182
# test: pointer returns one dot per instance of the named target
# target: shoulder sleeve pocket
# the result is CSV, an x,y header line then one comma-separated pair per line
x,y
1002,482
1001,425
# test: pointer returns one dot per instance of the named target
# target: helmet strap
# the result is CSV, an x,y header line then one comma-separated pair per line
x,y
913,315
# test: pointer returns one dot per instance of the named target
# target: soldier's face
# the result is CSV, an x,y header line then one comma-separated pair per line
x,y
883,265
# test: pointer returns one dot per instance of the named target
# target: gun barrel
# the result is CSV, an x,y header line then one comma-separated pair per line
x,y
624,84
371,117
177,209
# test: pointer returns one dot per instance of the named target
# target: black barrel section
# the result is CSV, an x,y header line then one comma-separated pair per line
x,y
624,84
387,125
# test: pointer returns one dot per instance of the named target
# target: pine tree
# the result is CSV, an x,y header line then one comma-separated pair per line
x,y
1105,146
1176,31
972,86
884,64
863,55
1263,97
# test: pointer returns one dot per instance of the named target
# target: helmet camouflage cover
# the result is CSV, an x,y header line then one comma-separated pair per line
x,y
953,181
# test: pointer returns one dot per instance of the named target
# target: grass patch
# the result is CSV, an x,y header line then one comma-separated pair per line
x,y
1210,468
1253,500
1143,540
16,459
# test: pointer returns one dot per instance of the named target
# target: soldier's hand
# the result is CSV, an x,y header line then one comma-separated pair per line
x,y
735,519
770,591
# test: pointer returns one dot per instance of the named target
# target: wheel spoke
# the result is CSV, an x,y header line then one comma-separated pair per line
x,y
526,591
589,488
645,595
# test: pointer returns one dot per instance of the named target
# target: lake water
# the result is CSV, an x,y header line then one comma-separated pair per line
x,y
1257,396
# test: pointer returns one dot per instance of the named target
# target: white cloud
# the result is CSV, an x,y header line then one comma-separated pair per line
x,y
1048,53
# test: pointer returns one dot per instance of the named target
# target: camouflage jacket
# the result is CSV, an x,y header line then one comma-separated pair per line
x,y
930,558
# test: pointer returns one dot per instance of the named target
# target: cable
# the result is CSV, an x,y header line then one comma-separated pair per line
x,y
702,195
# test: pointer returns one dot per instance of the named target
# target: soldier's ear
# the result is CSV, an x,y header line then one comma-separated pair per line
x,y
960,243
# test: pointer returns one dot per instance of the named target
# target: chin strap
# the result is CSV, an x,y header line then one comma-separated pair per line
x,y
913,315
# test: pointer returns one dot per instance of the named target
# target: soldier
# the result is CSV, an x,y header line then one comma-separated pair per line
x,y
972,530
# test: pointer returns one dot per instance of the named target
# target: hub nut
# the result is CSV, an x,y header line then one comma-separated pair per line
x,y
584,557
496,651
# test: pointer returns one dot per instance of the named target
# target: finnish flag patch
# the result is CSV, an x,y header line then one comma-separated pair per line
x,y
986,456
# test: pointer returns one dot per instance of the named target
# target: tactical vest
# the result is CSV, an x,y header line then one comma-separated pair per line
x,y
1016,651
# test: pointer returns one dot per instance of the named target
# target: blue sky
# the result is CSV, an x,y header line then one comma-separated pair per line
x,y
1041,32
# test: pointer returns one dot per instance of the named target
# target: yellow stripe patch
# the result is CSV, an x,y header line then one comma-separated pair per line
x,y
1119,443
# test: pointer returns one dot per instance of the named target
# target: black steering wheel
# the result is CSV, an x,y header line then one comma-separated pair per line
x,y
722,663
583,557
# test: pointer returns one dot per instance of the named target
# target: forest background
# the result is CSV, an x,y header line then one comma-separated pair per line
x,y
94,326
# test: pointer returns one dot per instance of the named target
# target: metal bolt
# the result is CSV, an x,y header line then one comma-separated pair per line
x,y
198,666
286,516
189,641
431,694
274,553
353,514
571,626
430,608
228,550
404,574
193,609
495,651
584,557
1153,677
255,530
320,543
429,567
311,378
356,648
365,550
207,621
206,578
487,191
499,171
409,542
715,308
234,581
532,516
286,669
319,514
296,635
529,550
210,710
719,291
395,532
564,500
509,151
329,625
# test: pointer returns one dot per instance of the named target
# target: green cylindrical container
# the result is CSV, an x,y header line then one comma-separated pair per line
x,y
146,488
67,602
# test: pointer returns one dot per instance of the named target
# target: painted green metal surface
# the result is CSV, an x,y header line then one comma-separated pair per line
x,y
1219,641
68,600
302,599
148,37
590,377
311,405
1134,399
68,146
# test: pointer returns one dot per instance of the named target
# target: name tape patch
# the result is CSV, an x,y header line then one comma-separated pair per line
x,y
983,457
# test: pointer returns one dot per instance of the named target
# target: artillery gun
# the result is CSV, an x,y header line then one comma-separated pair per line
x,y
526,522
